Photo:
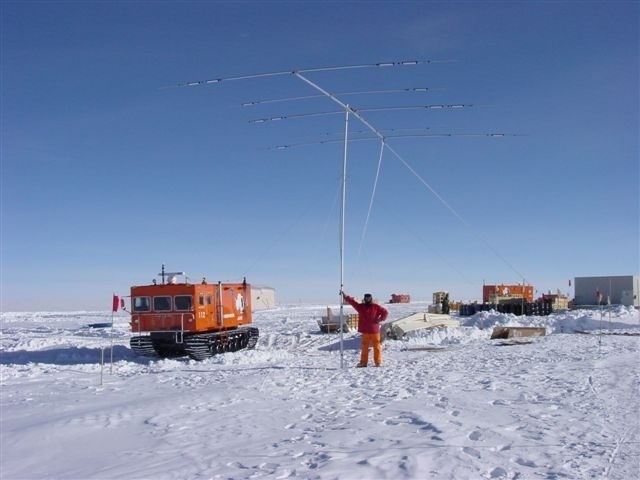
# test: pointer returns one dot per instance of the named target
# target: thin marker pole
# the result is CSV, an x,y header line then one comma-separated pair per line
x,y
609,304
111,339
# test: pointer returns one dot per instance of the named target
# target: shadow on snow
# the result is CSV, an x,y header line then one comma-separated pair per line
x,y
70,356
352,343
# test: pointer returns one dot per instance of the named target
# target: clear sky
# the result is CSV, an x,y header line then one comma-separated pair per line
x,y
110,169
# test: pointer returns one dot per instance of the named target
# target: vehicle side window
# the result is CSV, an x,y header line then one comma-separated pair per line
x,y
183,302
162,304
141,304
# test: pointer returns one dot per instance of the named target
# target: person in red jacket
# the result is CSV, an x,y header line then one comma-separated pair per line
x,y
370,315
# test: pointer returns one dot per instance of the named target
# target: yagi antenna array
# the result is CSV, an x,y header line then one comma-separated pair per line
x,y
349,110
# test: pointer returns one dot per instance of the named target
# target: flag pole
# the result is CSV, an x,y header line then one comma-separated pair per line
x,y
114,308
111,338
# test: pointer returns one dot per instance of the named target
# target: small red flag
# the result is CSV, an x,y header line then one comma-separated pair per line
x,y
116,303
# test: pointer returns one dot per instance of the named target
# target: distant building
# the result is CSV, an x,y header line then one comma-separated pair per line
x,y
617,290
557,301
262,297
506,293
400,298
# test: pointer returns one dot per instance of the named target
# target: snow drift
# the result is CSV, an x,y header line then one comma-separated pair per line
x,y
565,406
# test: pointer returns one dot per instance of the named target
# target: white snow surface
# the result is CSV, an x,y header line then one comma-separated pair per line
x,y
565,406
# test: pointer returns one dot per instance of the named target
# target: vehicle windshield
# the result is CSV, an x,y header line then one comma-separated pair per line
x,y
141,304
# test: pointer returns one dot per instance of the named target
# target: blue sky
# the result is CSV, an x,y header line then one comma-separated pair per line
x,y
109,169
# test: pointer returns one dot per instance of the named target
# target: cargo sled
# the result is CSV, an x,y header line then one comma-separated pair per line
x,y
331,323
397,329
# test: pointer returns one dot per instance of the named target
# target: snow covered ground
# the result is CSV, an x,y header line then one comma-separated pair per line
x,y
566,406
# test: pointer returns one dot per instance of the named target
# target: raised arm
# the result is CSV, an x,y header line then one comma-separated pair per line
x,y
350,300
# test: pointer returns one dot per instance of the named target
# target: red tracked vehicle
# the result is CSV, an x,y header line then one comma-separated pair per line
x,y
177,318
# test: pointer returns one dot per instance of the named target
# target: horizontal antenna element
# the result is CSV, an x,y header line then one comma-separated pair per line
x,y
391,137
356,110
319,69
307,97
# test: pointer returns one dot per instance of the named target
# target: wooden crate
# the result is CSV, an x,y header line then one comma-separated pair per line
x,y
517,332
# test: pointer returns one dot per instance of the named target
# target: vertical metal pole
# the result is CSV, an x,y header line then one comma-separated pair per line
x,y
342,215
220,309
600,307
609,304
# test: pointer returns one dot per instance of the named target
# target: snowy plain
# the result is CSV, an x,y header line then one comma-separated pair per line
x,y
448,403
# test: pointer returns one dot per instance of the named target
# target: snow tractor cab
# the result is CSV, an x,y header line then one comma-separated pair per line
x,y
176,318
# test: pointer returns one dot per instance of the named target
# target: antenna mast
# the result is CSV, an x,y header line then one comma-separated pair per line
x,y
342,215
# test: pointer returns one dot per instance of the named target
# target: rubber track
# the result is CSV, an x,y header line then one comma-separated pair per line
x,y
143,345
205,345
253,337
199,346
